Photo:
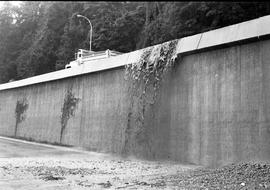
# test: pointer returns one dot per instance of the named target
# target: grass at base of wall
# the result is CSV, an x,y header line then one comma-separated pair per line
x,y
33,140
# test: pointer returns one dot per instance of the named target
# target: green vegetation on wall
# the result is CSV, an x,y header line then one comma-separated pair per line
x,y
145,78
21,107
68,110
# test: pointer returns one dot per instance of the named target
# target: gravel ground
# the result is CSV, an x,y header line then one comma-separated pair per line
x,y
25,173
77,173
250,175
32,166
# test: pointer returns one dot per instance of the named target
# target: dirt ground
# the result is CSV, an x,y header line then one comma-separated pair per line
x,y
33,166
30,166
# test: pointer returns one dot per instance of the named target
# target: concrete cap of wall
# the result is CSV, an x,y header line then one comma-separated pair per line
x,y
233,33
189,43
219,36
264,26
134,57
226,35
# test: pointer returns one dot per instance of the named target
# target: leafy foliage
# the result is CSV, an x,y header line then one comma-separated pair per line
x,y
68,110
146,77
21,107
40,37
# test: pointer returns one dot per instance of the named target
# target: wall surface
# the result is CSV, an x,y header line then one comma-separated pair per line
x,y
99,112
213,108
220,106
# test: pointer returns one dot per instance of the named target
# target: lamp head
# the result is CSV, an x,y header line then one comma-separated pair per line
x,y
79,15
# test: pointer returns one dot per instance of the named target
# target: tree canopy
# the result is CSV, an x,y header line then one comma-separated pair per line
x,y
39,37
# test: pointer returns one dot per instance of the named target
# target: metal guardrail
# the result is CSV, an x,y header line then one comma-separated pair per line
x,y
99,53
94,54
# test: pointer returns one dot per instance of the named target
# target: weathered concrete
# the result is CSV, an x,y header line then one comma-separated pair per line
x,y
98,117
212,109
220,106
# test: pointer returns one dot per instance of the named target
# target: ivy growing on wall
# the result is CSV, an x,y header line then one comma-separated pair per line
x,y
150,69
21,107
68,110
146,77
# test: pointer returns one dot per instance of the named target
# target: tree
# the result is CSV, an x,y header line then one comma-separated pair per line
x,y
8,42
40,37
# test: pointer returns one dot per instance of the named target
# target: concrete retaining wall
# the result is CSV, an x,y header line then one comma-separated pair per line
x,y
212,109
98,119
220,106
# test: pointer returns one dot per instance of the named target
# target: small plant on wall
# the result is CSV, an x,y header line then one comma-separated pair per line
x,y
68,110
21,107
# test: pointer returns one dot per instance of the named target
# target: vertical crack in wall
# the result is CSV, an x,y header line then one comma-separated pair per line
x,y
145,78
21,107
68,110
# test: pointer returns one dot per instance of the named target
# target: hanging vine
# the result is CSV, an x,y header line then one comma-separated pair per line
x,y
146,77
149,70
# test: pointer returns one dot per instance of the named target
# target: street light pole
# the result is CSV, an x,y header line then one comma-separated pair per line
x,y
90,28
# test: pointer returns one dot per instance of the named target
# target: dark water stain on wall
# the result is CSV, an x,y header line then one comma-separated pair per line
x,y
21,107
68,110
